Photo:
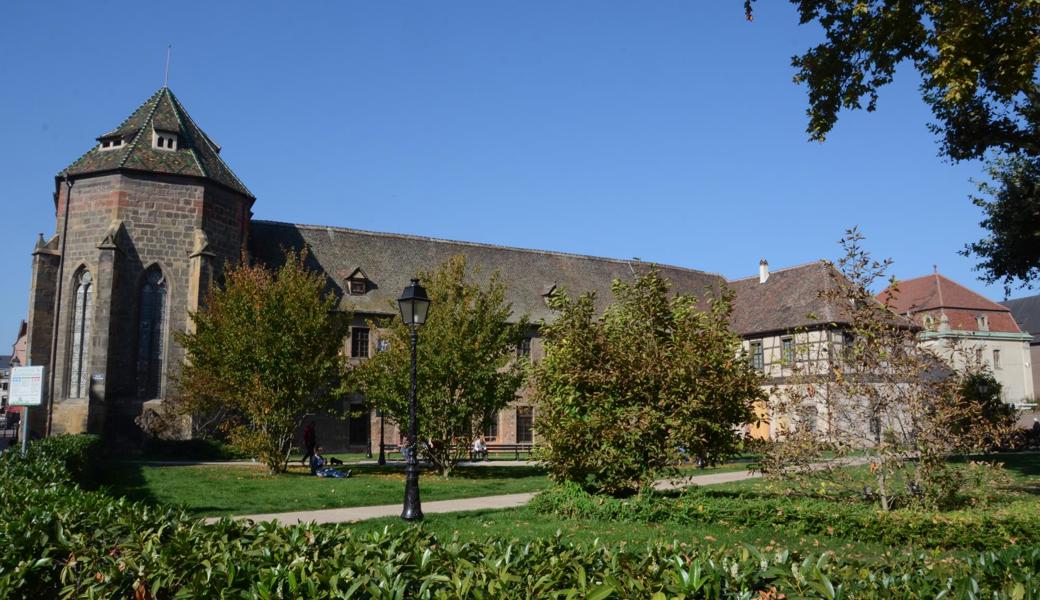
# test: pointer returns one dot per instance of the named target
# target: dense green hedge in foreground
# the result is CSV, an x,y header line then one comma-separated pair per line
x,y
1015,523
58,540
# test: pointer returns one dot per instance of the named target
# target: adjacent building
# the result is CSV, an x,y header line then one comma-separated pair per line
x,y
1026,312
967,329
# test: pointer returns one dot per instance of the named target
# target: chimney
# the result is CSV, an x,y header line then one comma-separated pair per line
x,y
763,270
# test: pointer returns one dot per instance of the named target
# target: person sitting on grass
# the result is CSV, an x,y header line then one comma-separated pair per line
x,y
319,469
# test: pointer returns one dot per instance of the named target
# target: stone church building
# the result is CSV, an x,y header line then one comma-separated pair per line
x,y
146,219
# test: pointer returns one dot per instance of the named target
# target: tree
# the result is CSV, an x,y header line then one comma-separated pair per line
x,y
979,62
881,398
467,362
264,352
623,396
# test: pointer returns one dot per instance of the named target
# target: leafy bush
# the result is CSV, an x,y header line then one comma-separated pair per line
x,y
1013,523
59,541
624,396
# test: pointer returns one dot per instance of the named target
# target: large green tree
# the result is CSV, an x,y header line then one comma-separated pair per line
x,y
621,396
263,353
979,62
467,362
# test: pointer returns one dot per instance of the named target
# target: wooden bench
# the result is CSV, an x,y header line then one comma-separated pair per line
x,y
514,449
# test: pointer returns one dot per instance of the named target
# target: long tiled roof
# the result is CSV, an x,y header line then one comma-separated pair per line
x,y
790,298
390,260
1027,313
196,154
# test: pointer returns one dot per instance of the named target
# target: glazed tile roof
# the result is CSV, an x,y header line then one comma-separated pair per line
x,y
196,154
390,260
1027,313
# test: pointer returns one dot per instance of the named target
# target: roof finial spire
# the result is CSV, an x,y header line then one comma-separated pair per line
x,y
166,71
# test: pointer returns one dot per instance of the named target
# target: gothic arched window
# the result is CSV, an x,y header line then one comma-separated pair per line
x,y
79,353
150,334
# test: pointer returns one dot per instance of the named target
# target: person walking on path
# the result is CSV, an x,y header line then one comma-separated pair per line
x,y
310,441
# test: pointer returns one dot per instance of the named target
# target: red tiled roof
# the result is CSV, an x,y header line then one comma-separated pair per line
x,y
935,294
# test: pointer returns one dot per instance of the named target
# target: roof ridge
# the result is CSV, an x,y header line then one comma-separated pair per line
x,y
64,171
818,262
134,112
179,110
148,119
423,238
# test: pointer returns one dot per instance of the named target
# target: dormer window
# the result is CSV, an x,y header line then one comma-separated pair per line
x,y
548,292
358,283
164,140
983,322
111,143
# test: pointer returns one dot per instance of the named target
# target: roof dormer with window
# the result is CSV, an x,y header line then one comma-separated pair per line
x,y
164,140
112,142
358,283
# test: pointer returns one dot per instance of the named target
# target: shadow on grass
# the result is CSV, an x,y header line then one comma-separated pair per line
x,y
125,480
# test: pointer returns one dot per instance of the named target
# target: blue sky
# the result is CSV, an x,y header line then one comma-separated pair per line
x,y
669,131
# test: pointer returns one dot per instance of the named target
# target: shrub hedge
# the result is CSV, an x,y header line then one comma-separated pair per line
x,y
1015,523
58,540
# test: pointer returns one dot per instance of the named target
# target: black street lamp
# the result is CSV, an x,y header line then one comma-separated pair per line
x,y
382,446
414,305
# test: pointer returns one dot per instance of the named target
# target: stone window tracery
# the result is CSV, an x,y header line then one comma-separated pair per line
x,y
151,329
79,351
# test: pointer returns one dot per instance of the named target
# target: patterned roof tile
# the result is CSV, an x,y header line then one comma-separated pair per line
x,y
196,154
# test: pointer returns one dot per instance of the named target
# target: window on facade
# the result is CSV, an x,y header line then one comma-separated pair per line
x,y
79,351
847,350
978,356
151,328
523,349
491,427
996,359
757,355
359,342
787,350
357,287
524,425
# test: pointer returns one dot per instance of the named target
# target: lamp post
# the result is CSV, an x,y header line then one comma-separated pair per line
x,y
414,305
382,451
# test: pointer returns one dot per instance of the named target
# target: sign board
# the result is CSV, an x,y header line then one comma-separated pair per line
x,y
26,386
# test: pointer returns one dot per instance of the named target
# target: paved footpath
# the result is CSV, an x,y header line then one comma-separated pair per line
x,y
361,513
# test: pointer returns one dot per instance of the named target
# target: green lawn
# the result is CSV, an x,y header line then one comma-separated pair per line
x,y
213,490
524,524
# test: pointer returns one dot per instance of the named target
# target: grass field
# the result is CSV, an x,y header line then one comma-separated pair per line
x,y
245,488
213,490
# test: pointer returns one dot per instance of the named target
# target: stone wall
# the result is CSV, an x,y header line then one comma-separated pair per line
x,y
119,225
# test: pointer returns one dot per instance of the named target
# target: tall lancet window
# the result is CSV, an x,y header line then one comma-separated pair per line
x,y
151,326
79,353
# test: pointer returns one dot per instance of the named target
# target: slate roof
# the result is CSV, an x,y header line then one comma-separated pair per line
x,y
790,298
935,294
196,154
1027,313
390,260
